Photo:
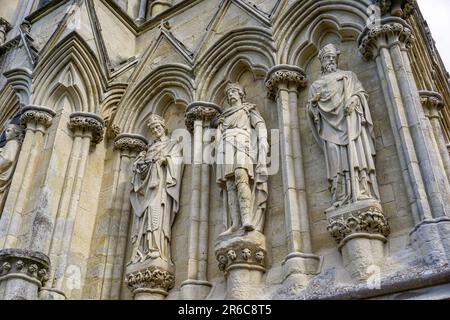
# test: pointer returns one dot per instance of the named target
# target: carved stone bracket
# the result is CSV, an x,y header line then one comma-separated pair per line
x,y
132,143
397,8
28,265
432,102
248,251
390,31
152,279
201,110
284,74
37,116
82,122
367,220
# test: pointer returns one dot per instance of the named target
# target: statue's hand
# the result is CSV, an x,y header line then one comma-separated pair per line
x,y
352,106
162,161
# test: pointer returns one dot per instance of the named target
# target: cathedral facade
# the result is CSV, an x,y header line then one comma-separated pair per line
x,y
222,149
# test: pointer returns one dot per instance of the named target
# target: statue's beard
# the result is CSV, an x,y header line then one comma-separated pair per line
x,y
329,68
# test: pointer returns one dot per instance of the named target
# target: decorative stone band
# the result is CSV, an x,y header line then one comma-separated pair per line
x,y
432,103
130,143
390,31
200,110
247,255
284,74
88,122
399,8
152,279
35,115
28,265
367,222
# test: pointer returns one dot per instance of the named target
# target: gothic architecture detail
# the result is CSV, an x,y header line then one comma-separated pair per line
x,y
222,149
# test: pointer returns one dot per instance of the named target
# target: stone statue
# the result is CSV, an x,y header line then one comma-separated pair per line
x,y
241,158
340,119
155,195
9,155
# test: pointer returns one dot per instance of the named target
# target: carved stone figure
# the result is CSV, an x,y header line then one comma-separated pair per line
x,y
155,195
242,163
341,122
8,159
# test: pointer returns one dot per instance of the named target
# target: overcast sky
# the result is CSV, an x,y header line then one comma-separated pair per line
x,y
436,12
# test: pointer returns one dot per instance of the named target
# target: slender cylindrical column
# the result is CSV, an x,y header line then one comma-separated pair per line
x,y
284,83
198,116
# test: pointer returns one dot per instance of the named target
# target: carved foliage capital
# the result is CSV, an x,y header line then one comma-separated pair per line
x,y
130,143
88,122
34,115
285,74
389,32
24,263
204,111
370,220
398,8
432,103
151,278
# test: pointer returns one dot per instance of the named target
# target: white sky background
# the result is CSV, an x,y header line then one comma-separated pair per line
x,y
436,13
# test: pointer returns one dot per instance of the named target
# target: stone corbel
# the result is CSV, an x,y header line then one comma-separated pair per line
x,y
37,118
22,274
284,83
131,144
199,115
396,8
87,124
150,281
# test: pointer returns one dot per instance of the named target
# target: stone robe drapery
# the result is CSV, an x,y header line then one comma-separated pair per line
x,y
8,159
238,148
347,140
155,199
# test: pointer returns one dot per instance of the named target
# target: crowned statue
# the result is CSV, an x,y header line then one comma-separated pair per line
x,y
340,119
155,195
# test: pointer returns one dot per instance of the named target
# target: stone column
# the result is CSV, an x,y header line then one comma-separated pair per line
x,y
128,146
37,120
5,27
22,274
87,129
424,174
283,83
142,11
433,103
199,116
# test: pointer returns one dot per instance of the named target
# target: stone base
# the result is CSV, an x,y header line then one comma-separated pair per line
x,y
360,229
195,289
150,280
431,238
51,294
299,268
241,257
22,274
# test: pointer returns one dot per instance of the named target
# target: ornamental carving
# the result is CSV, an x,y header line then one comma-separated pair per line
x,y
203,111
397,8
150,278
130,143
284,74
371,221
251,254
393,32
5,27
86,122
34,115
432,103
20,263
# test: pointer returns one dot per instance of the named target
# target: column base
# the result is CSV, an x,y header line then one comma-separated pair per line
x,y
22,274
150,280
360,229
431,238
241,257
299,268
195,289
51,294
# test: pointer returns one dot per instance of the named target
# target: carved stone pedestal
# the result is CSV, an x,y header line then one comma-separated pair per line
x,y
432,239
150,280
299,268
360,230
22,274
241,257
